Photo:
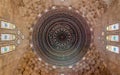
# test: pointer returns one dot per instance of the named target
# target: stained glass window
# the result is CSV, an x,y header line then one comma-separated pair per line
x,y
111,48
7,49
7,25
113,37
113,27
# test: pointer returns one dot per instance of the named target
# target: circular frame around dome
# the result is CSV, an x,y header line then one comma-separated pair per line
x,y
61,37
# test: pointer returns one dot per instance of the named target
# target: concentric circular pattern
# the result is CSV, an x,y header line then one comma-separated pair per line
x,y
61,37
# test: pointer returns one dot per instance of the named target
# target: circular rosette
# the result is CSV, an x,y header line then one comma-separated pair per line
x,y
61,37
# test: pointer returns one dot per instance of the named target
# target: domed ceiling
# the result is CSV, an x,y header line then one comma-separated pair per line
x,y
59,37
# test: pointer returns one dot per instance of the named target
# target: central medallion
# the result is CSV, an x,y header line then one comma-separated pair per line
x,y
61,37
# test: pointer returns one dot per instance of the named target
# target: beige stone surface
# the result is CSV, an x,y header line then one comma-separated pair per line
x,y
23,14
110,17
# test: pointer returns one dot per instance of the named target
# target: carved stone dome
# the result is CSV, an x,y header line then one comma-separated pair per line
x,y
61,37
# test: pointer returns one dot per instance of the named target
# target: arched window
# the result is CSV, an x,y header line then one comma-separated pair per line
x,y
113,27
7,25
7,37
7,49
111,48
112,38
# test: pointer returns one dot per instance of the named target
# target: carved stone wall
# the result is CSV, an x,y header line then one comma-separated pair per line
x,y
24,12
